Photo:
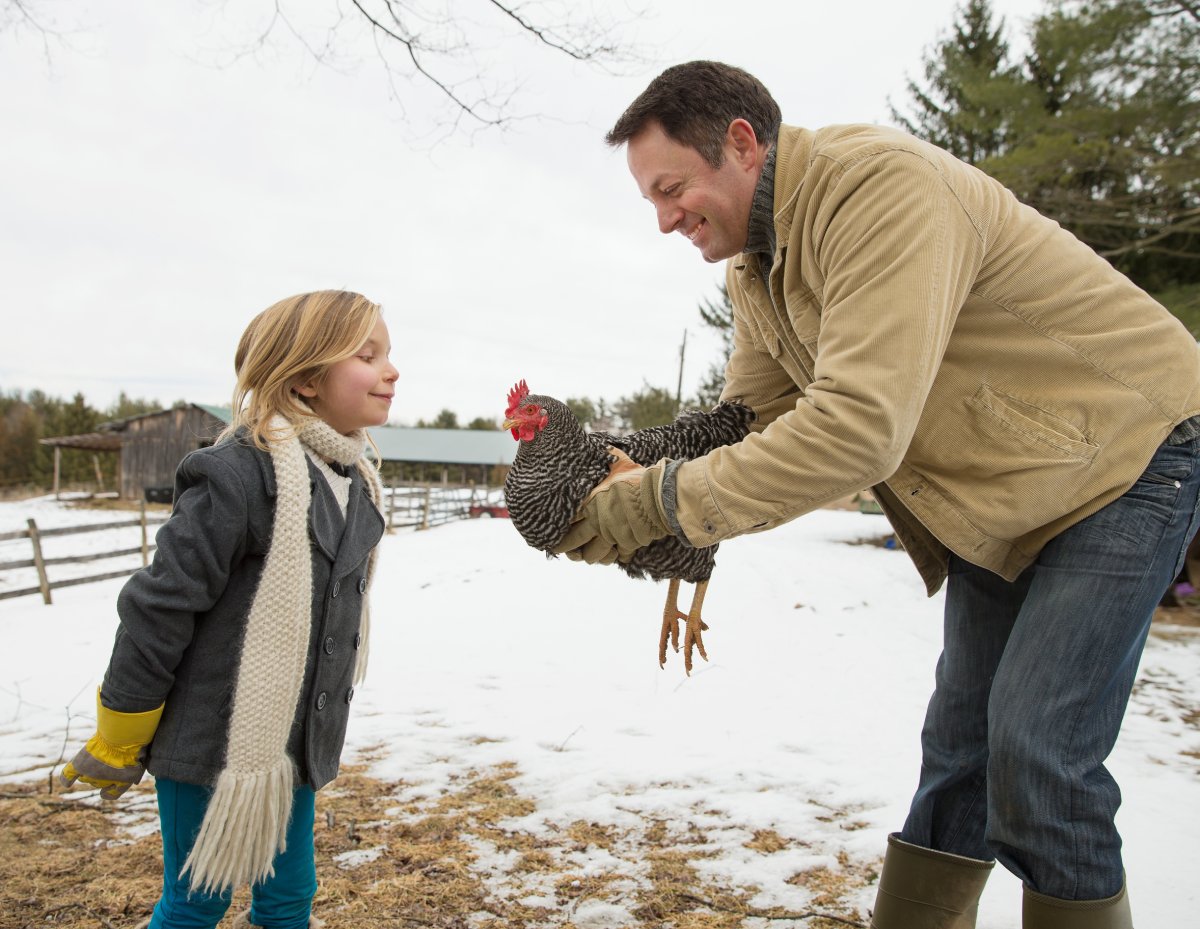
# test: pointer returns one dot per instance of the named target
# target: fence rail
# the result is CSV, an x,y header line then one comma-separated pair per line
x,y
38,561
416,506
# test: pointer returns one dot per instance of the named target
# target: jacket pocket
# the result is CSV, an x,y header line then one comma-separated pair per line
x,y
1033,423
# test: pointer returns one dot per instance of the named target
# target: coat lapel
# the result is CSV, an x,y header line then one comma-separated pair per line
x,y
363,528
325,522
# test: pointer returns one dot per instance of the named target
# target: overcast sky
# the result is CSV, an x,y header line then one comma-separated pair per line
x,y
156,191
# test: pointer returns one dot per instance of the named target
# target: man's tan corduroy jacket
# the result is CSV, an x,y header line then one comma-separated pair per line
x,y
925,334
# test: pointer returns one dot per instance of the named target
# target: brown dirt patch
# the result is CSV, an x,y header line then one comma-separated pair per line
x,y
455,861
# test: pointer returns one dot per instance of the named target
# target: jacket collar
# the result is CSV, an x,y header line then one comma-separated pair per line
x,y
792,151
326,525
344,541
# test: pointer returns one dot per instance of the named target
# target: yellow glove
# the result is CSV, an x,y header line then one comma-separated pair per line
x,y
111,760
623,514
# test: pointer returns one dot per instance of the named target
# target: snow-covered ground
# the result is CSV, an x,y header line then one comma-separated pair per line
x,y
805,721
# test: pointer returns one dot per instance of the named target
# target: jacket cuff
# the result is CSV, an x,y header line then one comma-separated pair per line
x,y
667,497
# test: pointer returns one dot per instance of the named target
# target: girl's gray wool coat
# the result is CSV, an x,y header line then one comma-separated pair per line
x,y
182,618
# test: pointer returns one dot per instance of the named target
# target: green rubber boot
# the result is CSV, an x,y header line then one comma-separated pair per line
x,y
925,889
1041,912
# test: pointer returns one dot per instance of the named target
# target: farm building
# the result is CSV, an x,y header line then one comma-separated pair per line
x,y
151,446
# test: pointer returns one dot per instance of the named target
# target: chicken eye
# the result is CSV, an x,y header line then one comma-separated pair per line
x,y
531,409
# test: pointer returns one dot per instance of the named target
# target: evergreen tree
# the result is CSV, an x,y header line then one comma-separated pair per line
x,y
126,406
718,316
650,406
446,419
1113,151
971,90
1098,128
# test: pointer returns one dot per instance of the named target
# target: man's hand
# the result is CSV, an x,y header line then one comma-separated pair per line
x,y
622,514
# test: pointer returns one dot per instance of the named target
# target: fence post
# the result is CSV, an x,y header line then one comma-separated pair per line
x,y
145,541
36,539
391,506
425,516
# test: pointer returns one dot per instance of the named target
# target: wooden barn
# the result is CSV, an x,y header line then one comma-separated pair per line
x,y
151,446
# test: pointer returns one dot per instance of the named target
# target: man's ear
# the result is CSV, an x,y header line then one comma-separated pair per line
x,y
742,142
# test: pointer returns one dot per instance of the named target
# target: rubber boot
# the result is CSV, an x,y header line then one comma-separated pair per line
x,y
925,889
1041,912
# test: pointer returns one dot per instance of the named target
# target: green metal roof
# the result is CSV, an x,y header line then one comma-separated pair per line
x,y
445,446
223,413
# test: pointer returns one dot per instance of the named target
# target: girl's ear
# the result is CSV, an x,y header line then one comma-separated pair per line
x,y
307,389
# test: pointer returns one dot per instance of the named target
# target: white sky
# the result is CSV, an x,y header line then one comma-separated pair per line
x,y
151,203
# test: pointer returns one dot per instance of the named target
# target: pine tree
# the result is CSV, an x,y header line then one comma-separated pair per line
x,y
971,90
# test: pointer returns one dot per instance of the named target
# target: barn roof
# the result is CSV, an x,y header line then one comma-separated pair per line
x,y
88,441
396,443
445,446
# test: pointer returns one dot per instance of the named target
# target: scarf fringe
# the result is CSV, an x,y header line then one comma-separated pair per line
x,y
244,827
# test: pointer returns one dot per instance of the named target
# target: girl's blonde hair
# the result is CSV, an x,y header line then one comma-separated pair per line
x,y
291,343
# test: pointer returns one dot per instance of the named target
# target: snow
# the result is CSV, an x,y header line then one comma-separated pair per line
x,y
805,721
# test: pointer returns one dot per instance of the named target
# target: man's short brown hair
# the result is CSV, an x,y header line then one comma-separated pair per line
x,y
695,103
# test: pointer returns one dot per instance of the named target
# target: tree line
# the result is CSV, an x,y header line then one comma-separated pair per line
x,y
28,417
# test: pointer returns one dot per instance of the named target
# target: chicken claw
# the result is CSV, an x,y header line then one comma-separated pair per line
x,y
692,636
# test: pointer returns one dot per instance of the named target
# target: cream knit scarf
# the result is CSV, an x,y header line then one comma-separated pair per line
x,y
246,822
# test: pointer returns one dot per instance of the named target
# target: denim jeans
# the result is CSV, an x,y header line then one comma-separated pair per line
x,y
283,901
1033,681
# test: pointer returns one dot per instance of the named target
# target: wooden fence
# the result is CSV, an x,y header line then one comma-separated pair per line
x,y
416,506
425,505
45,585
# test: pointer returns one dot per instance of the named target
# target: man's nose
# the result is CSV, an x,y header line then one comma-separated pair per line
x,y
669,218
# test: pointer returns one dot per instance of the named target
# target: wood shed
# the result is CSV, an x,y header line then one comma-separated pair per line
x,y
150,446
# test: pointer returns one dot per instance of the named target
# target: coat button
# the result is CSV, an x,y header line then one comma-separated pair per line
x,y
709,528
337,586
329,645
321,698
362,585
349,694
358,640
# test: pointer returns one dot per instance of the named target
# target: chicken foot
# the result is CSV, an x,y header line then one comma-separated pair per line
x,y
692,631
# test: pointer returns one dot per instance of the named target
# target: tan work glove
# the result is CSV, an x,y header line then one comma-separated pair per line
x,y
111,759
624,513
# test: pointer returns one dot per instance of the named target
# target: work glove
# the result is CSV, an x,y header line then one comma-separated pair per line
x,y
624,513
112,758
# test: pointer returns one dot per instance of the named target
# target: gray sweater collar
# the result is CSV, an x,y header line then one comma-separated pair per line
x,y
760,238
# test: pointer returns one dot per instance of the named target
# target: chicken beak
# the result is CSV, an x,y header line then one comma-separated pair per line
x,y
509,424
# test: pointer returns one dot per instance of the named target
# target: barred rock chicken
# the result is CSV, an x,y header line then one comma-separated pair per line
x,y
558,464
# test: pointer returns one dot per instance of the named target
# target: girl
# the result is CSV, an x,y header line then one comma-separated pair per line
x,y
238,647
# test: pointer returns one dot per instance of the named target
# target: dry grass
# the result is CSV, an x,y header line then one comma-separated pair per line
x,y
455,862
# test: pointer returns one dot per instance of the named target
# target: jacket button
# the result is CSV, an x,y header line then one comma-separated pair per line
x,y
321,698
337,586
329,645
358,640
349,694
710,528
362,585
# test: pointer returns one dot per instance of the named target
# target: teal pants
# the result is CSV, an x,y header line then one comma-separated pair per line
x,y
282,901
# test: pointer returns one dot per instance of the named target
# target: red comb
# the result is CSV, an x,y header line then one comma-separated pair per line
x,y
519,392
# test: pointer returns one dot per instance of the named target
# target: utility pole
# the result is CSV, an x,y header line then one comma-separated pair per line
x,y
679,383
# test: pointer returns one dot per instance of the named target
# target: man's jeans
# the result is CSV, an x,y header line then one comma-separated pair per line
x,y
1033,681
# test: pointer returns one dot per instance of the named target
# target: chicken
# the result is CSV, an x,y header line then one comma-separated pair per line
x,y
558,464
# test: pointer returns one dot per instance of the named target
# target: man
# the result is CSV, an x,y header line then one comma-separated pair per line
x,y
1024,415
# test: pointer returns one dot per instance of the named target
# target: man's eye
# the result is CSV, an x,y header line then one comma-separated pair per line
x,y
670,191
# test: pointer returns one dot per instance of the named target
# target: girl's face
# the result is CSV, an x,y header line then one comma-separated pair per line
x,y
357,391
